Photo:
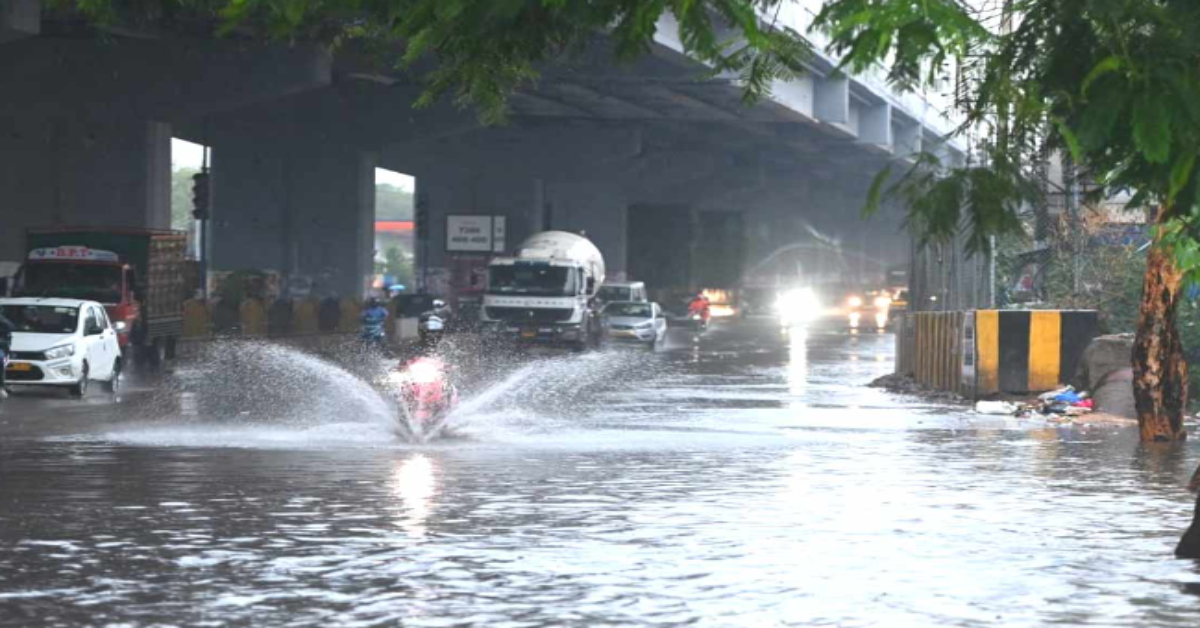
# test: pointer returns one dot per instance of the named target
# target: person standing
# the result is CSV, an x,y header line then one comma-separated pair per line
x,y
6,330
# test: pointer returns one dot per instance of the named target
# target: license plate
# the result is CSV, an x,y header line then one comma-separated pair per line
x,y
20,366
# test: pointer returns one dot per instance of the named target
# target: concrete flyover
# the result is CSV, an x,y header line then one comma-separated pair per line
x,y
296,133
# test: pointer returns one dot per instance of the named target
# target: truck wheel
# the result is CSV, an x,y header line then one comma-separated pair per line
x,y
79,390
113,386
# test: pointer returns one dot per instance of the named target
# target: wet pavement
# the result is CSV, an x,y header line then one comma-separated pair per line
x,y
749,479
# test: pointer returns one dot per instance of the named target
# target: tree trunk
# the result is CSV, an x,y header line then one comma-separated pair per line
x,y
1160,379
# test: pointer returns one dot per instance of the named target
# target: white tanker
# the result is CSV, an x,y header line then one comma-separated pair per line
x,y
544,294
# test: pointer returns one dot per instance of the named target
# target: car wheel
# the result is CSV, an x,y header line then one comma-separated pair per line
x,y
80,389
113,385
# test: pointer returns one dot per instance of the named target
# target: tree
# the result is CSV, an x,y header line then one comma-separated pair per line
x,y
483,49
181,197
393,203
1113,83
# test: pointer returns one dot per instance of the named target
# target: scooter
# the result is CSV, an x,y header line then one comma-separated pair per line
x,y
426,396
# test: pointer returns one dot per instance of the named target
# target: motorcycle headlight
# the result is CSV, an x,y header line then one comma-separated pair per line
x,y
64,351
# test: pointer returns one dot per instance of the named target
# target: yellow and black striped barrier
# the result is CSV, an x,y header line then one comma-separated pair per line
x,y
990,351
1022,351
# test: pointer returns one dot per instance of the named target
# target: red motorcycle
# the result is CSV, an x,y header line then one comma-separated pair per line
x,y
426,395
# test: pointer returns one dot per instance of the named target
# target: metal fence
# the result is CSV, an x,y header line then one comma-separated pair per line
x,y
943,278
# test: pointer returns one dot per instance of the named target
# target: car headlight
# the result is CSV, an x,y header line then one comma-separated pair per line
x,y
64,351
882,302
855,302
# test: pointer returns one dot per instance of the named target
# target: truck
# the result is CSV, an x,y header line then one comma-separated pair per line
x,y
137,274
545,293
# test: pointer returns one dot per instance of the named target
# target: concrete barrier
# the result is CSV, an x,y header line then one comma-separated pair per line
x,y
985,352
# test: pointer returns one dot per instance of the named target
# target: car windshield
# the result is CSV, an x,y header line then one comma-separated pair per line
x,y
613,293
532,279
42,319
638,310
91,282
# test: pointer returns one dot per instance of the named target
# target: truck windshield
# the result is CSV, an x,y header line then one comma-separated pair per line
x,y
541,280
91,282
42,319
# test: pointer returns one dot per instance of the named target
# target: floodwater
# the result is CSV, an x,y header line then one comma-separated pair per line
x,y
748,480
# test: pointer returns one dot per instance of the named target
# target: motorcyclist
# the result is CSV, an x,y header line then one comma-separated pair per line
x,y
426,388
374,319
700,305
433,323
6,329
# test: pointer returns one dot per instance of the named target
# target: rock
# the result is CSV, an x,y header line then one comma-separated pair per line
x,y
1114,393
1104,355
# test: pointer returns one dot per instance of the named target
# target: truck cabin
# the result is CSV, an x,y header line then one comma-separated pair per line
x,y
540,279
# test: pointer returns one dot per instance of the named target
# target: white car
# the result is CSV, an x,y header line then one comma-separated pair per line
x,y
636,321
62,342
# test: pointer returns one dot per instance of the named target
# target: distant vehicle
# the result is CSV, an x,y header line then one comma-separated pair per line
x,y
62,342
137,274
634,321
544,294
622,291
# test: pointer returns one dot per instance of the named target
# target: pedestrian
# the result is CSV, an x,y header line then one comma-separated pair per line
x,y
6,330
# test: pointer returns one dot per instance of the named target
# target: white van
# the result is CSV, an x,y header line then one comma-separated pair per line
x,y
622,291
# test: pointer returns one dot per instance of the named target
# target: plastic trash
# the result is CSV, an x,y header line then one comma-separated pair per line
x,y
996,407
1049,396
1069,396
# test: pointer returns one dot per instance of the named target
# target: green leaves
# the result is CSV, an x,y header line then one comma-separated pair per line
x,y
1152,128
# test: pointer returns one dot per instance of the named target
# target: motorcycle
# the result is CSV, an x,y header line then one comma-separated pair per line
x,y
431,330
425,394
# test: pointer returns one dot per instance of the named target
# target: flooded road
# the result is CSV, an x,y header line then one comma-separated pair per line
x,y
749,480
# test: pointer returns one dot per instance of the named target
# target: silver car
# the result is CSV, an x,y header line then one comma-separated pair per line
x,y
634,321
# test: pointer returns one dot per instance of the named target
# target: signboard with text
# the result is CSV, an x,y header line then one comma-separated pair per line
x,y
475,234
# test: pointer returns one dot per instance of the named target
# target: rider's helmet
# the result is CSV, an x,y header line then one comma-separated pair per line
x,y
373,303
439,303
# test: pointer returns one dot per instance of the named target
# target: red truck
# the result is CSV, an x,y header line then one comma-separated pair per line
x,y
137,274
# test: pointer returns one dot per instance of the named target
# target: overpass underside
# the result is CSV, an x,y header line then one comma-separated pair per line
x,y
296,135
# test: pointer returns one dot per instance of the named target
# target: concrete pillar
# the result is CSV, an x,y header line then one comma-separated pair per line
x,y
19,19
79,172
303,209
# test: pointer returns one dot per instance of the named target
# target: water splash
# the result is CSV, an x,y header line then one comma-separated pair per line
x,y
256,394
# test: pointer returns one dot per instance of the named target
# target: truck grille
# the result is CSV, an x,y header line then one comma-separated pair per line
x,y
530,315
28,356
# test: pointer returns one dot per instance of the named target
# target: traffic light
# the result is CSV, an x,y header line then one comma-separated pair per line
x,y
200,195
421,216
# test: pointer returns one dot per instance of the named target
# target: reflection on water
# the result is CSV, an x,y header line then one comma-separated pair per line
x,y
415,484
729,491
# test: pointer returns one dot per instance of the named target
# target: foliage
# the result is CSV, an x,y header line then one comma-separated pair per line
x,y
393,203
478,51
181,197
1115,83
399,266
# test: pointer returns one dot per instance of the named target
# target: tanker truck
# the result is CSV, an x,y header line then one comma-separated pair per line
x,y
544,293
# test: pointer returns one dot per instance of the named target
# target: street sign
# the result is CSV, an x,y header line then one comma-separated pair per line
x,y
471,234
499,231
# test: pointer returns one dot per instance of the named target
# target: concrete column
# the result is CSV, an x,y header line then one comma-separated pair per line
x,y
831,102
297,207
19,19
78,172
